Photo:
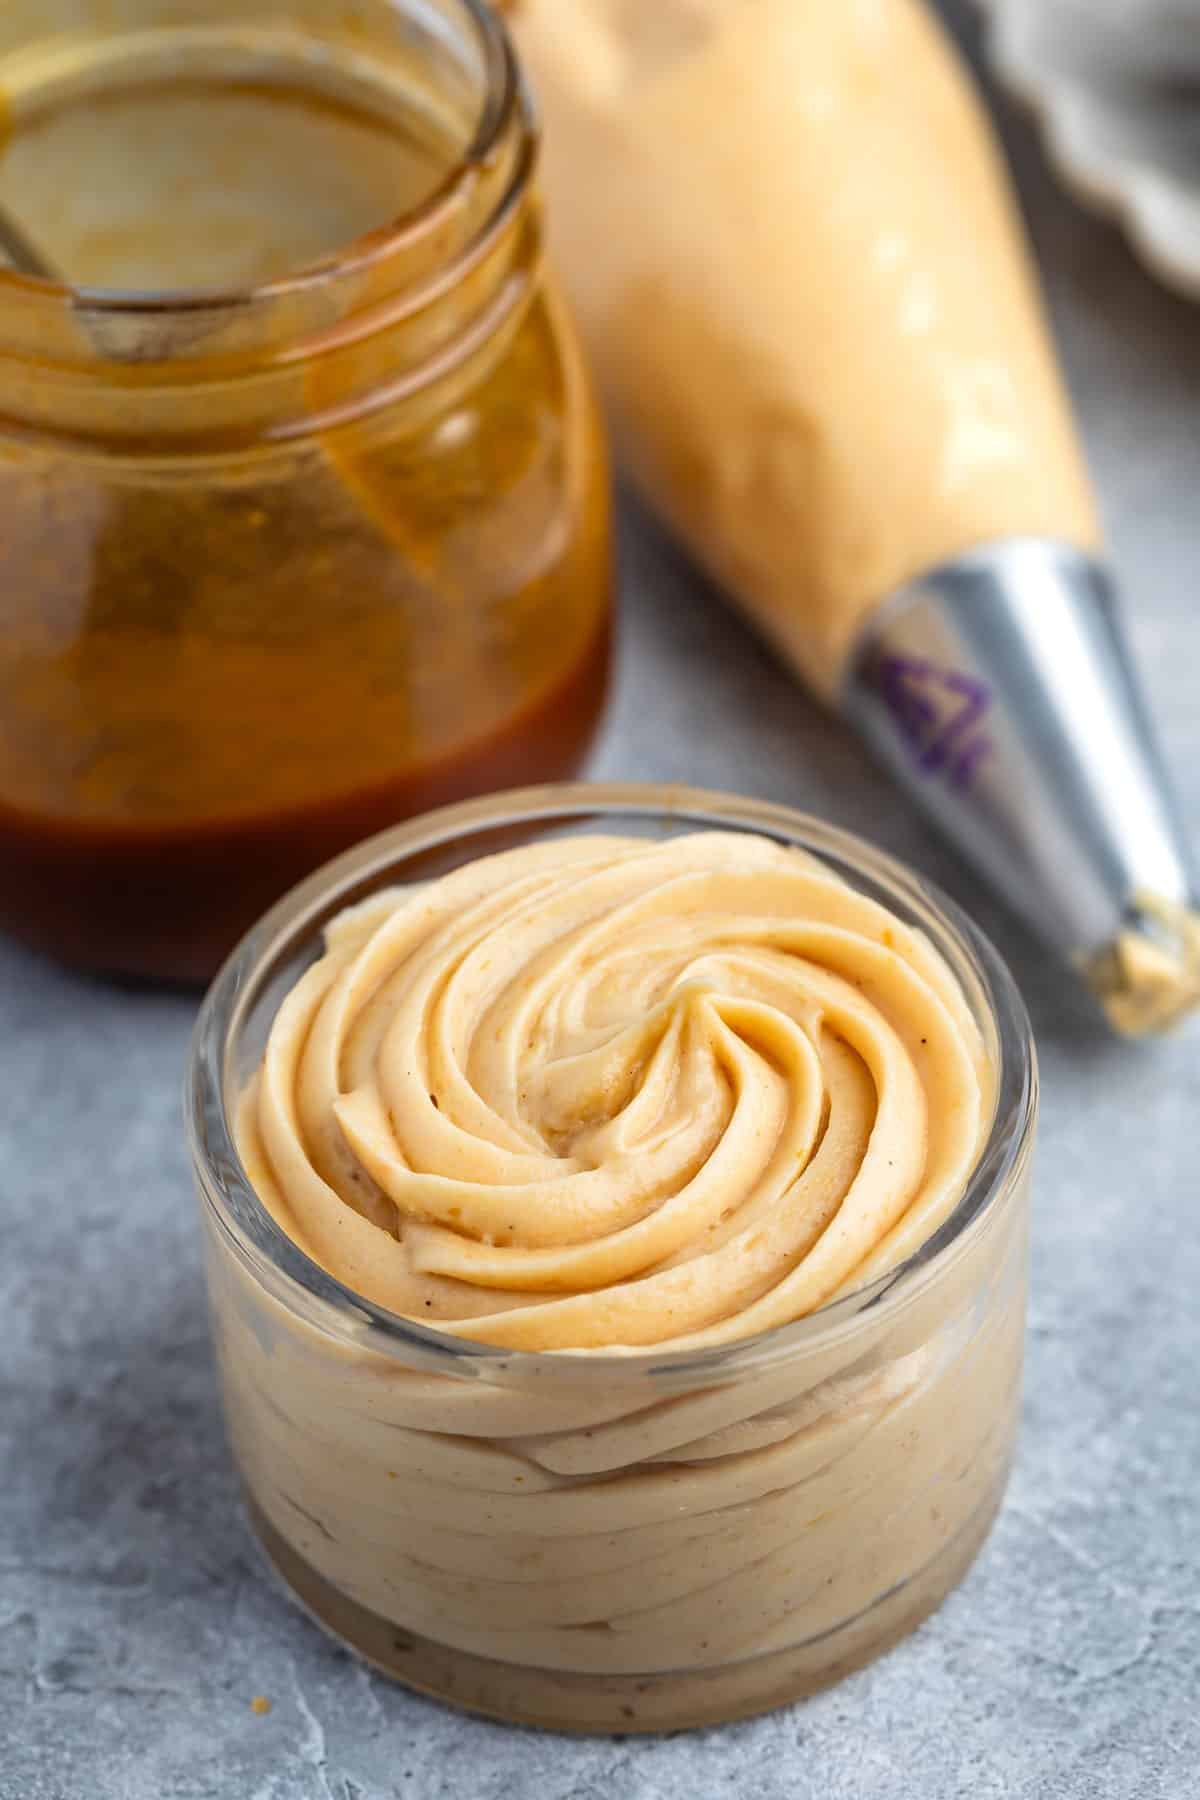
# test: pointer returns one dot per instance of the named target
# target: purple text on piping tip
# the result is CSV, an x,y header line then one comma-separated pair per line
x,y
940,713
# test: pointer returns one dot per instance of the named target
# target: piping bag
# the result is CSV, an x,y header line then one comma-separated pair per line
x,y
791,242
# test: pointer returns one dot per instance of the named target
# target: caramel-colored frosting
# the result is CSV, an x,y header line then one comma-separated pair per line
x,y
1148,981
600,1093
795,255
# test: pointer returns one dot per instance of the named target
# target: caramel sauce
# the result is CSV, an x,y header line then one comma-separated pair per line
x,y
169,901
222,662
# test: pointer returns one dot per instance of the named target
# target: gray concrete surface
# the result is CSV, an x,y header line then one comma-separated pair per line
x,y
135,1626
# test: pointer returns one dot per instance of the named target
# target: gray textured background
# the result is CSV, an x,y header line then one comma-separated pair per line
x,y
134,1624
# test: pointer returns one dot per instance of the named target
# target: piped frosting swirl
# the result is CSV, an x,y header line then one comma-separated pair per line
x,y
602,1093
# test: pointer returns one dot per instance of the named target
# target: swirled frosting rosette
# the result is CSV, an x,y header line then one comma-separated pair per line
x,y
606,1093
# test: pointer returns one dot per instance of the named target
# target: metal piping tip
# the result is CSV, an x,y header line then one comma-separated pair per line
x,y
1000,692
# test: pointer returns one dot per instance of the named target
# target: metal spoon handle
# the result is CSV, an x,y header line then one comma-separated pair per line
x,y
19,252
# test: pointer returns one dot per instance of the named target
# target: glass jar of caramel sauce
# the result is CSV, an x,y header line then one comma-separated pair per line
x,y
304,504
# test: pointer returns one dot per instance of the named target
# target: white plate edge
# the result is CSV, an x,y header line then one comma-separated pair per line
x,y
1135,196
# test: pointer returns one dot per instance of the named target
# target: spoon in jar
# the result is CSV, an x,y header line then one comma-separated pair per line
x,y
109,333
21,253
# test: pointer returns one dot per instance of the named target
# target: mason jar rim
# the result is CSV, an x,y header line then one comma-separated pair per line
x,y
278,1264
506,106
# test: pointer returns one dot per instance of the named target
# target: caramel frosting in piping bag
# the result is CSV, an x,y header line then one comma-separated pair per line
x,y
801,273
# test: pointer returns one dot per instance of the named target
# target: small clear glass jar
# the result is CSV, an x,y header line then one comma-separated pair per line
x,y
304,501
616,1542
